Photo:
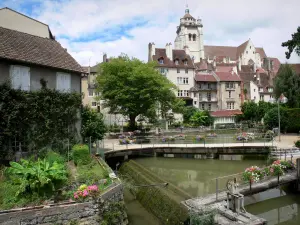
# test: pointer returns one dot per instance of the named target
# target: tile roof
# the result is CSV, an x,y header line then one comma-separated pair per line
x,y
223,68
226,113
227,76
202,65
240,49
27,48
205,77
211,51
233,52
187,15
177,54
296,67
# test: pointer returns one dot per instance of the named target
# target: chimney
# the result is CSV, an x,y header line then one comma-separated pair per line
x,y
170,51
254,67
104,57
269,64
187,50
214,62
151,51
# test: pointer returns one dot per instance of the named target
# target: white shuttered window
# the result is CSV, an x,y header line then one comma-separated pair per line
x,y
63,82
20,77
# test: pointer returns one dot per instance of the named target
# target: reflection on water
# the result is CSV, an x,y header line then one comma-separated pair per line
x,y
196,176
276,206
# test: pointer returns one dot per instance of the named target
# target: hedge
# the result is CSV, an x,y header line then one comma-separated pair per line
x,y
293,116
38,119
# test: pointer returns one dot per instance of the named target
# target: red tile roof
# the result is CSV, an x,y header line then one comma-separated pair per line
x,y
226,113
205,77
223,68
202,65
177,54
26,48
227,76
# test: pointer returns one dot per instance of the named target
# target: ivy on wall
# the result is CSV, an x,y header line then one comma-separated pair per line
x,y
40,118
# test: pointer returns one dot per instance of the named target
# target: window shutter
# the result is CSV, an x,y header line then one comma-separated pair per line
x,y
20,77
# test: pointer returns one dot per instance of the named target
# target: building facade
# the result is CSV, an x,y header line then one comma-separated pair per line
x,y
214,78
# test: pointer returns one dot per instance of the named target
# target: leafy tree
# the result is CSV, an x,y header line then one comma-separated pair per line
x,y
92,124
287,82
293,44
249,110
133,88
271,118
188,112
201,118
198,118
263,108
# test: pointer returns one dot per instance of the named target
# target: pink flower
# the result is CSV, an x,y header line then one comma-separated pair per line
x,y
75,196
271,170
85,193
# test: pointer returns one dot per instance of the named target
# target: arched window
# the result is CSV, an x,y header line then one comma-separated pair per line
x,y
190,37
194,37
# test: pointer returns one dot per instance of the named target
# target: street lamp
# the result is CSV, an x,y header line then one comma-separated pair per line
x,y
281,99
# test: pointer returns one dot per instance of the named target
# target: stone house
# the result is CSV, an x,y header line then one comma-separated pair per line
x,y
31,54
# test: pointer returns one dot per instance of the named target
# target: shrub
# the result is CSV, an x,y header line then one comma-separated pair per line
x,y
297,144
52,157
39,176
293,125
81,154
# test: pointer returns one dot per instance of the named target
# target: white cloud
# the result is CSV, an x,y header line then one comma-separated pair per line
x,y
268,23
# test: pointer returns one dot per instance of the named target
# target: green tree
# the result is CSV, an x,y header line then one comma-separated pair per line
x,y
287,82
188,112
92,124
293,44
133,88
263,108
201,118
249,110
271,119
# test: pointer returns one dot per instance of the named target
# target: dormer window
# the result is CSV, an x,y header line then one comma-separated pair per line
x,y
176,61
185,62
161,61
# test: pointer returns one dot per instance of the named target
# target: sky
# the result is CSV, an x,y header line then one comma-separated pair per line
x,y
90,28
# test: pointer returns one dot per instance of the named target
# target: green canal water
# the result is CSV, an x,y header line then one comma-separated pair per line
x,y
197,177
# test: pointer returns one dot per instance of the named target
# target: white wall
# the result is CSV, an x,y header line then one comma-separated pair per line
x,y
249,53
254,92
15,21
172,76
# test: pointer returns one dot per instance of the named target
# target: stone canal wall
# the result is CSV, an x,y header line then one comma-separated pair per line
x,y
87,213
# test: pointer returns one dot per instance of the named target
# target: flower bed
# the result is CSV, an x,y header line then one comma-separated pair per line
x,y
277,168
167,139
199,138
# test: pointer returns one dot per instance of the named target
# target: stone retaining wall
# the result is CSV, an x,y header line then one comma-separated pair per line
x,y
87,213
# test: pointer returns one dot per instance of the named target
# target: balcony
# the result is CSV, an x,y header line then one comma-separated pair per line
x,y
230,99
230,88
208,100
205,88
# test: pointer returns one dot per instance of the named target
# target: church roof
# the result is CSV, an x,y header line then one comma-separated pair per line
x,y
240,49
177,54
187,15
230,51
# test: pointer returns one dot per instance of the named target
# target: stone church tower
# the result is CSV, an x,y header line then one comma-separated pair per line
x,y
190,36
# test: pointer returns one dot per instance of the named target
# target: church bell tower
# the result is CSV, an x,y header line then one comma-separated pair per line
x,y
190,34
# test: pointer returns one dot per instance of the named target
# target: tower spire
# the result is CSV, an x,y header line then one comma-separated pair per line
x,y
187,8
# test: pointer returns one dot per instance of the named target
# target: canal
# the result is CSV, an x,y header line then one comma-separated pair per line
x,y
196,177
